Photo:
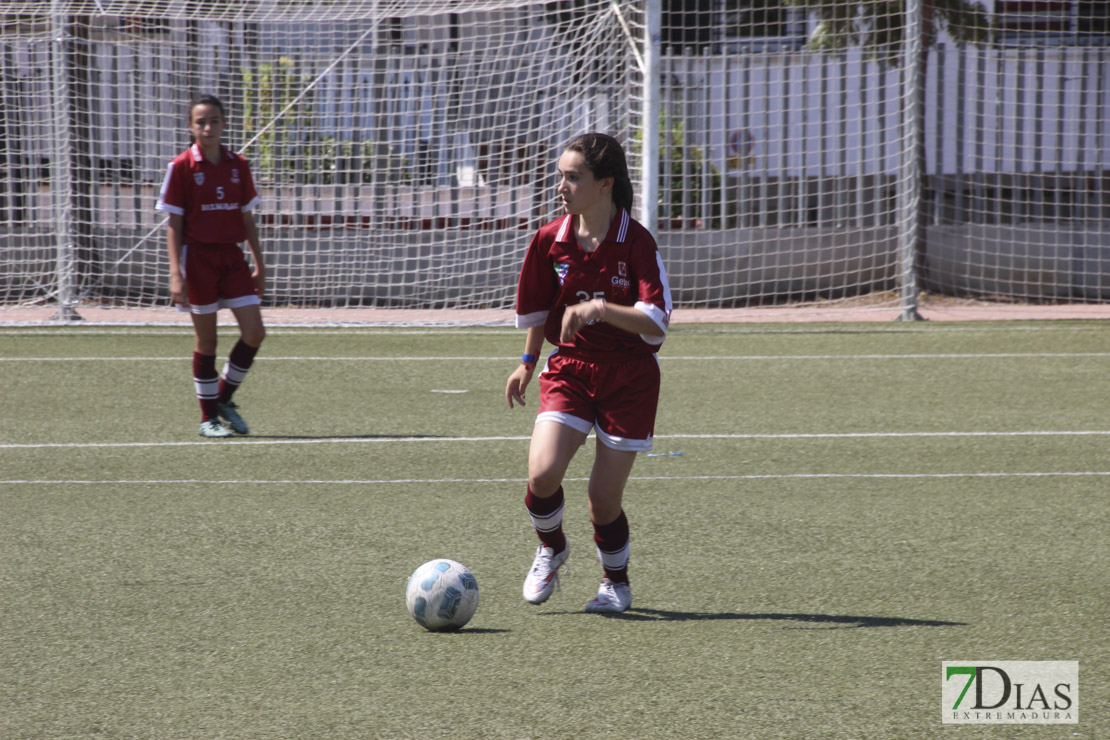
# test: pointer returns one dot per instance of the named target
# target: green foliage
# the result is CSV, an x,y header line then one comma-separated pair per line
x,y
272,88
291,135
682,170
879,26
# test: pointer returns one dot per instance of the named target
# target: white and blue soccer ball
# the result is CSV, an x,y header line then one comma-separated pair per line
x,y
442,595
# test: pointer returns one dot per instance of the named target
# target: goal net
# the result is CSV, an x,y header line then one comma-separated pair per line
x,y
811,153
819,150
404,151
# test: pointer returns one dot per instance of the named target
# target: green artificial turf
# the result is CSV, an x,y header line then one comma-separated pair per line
x,y
831,512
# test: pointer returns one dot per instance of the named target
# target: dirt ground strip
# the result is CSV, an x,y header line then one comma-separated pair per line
x,y
929,309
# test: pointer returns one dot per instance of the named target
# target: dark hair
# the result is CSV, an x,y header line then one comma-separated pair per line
x,y
205,100
605,158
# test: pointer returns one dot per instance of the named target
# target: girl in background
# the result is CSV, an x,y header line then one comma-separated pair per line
x,y
210,197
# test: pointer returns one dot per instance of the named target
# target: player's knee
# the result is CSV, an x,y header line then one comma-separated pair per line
x,y
254,336
604,509
544,482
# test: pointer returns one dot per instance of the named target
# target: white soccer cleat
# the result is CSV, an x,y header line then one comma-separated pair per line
x,y
611,597
213,428
544,576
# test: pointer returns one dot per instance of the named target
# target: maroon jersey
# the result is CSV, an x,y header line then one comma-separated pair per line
x,y
625,269
211,197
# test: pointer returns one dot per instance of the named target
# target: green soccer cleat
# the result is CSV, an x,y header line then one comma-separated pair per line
x,y
229,412
213,428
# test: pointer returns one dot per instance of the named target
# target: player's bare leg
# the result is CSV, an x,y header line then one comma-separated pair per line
x,y
251,328
607,481
204,325
552,448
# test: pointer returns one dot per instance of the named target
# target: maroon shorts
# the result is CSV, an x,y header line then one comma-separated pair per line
x,y
619,398
218,276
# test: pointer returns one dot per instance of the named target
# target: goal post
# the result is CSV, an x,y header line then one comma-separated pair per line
x,y
822,154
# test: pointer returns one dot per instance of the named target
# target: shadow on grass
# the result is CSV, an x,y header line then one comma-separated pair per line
x,y
805,621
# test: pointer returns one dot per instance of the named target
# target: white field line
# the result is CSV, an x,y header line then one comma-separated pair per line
x,y
523,438
187,330
247,441
662,358
146,330
430,481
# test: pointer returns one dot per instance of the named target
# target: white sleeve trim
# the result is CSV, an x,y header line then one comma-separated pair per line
x,y
162,205
252,205
658,316
528,320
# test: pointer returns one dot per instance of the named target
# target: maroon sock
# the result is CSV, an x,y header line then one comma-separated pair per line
x,y
238,363
613,548
547,518
207,382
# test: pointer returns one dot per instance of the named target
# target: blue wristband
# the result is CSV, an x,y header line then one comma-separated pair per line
x,y
529,359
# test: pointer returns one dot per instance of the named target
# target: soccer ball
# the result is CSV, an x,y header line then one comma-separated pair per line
x,y
442,595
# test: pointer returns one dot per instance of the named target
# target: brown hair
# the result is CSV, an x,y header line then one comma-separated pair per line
x,y
605,158
205,100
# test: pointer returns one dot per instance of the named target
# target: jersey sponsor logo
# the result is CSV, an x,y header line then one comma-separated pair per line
x,y
561,269
620,282
219,207
235,176
622,268
198,178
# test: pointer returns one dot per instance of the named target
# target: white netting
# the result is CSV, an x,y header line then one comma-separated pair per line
x,y
402,160
405,150
790,173
1019,201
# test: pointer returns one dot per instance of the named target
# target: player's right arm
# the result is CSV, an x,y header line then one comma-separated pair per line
x,y
174,231
522,376
535,294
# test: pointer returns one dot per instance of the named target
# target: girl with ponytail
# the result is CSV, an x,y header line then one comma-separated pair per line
x,y
594,287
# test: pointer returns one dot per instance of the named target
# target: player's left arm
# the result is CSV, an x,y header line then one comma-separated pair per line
x,y
654,294
630,318
255,246
649,317
249,201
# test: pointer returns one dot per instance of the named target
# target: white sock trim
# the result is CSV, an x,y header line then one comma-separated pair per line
x,y
615,560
